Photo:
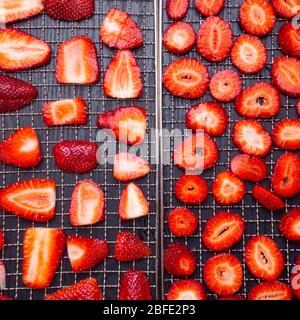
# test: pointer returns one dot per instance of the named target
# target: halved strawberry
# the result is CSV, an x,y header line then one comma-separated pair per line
x,y
20,50
127,123
77,61
289,224
179,260
232,297
42,252
122,78
267,198
32,199
187,289
87,289
274,290
260,100
177,9
214,39
286,134
209,7
257,17
286,8
295,278
182,222
286,176
186,78
285,73
87,204
120,31
289,40
133,203
1,240
129,247
2,275
196,153
209,116
249,54
86,253
134,285
223,274
223,231
21,148
179,37
264,258
250,137
225,85
227,188
67,111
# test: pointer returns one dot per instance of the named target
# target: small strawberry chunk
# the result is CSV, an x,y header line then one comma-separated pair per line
x,y
177,9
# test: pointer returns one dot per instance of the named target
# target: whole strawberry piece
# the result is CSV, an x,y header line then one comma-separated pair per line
x,y
182,222
187,289
295,278
286,134
286,8
289,40
273,290
75,156
209,7
267,198
177,9
289,225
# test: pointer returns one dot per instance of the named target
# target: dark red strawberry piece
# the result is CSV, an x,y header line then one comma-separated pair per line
x,y
267,198
177,9
286,134
271,291
223,231
232,297
289,225
179,37
187,289
1,240
186,78
289,40
209,7
286,8
182,222
214,39
3,297
295,278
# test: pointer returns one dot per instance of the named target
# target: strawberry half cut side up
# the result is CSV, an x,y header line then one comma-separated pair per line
x,y
187,289
273,290
177,9
267,198
209,7
289,225
286,134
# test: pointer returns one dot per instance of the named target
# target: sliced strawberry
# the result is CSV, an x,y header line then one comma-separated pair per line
x,y
182,222
209,7
286,8
289,40
260,100
285,73
133,203
33,199
295,278
267,198
1,240
191,189
214,39
129,247
2,275
232,297
271,291
286,176
186,78
127,123
87,204
134,285
187,289
21,148
286,134
225,85
197,152
3,297
250,137
249,54
42,252
120,31
209,116
177,9
289,224
20,50
67,111
264,258
248,167
77,61
179,37
257,17
86,253
179,260
228,189
223,231
87,289
223,274
76,156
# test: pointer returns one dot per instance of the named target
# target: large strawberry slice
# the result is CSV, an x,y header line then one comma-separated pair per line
x,y
214,39
286,134
21,148
133,203
289,40
87,289
209,7
182,222
289,225
267,198
223,231
295,278
127,123
286,8
223,274
273,290
129,247
86,253
1,240
87,204
20,50
187,289
120,31
42,252
134,285
33,199
177,9
186,78
77,61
